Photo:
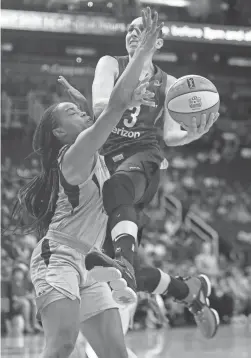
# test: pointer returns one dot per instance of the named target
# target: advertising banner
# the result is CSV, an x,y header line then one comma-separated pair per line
x,y
99,25
62,23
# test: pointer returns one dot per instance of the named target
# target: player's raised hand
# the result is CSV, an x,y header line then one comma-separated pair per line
x,y
151,30
142,96
74,94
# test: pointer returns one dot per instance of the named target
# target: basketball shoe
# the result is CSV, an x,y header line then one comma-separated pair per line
x,y
197,302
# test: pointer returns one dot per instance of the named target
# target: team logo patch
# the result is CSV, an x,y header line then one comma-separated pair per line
x,y
195,102
190,82
134,168
117,158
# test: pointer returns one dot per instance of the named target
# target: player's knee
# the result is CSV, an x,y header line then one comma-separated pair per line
x,y
119,351
115,347
111,337
62,345
117,191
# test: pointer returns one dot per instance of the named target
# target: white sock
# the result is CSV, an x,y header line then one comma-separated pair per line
x,y
164,281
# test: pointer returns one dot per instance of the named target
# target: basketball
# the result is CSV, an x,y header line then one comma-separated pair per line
x,y
191,96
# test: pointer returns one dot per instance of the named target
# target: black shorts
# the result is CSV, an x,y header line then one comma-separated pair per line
x,y
146,163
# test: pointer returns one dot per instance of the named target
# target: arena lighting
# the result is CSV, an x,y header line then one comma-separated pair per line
x,y
7,47
239,61
166,56
80,51
174,3
57,69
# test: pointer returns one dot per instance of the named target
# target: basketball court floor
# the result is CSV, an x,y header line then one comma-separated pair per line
x,y
230,342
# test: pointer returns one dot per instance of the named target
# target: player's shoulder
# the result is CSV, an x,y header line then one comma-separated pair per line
x,y
169,79
107,61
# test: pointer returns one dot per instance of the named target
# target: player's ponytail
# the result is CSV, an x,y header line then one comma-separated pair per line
x,y
38,197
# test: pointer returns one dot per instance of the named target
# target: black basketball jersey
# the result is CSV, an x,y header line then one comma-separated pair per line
x,y
140,128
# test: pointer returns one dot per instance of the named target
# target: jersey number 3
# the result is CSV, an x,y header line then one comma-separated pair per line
x,y
134,117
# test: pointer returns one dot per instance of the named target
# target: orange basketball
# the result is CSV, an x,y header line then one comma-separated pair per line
x,y
190,96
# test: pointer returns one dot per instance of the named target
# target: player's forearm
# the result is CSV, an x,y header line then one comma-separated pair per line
x,y
123,91
178,138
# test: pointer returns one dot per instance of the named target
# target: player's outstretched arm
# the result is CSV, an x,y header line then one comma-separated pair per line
x,y
122,96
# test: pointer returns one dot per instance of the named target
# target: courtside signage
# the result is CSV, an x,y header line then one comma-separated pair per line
x,y
208,33
65,23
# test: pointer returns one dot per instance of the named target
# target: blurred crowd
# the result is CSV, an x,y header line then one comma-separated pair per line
x,y
24,98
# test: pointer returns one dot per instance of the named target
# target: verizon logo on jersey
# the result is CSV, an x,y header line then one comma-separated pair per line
x,y
125,133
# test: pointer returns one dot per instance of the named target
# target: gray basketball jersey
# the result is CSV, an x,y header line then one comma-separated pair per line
x,y
79,214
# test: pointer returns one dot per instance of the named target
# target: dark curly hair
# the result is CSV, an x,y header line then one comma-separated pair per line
x,y
39,196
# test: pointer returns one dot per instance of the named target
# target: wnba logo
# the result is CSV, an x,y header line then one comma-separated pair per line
x,y
190,83
195,102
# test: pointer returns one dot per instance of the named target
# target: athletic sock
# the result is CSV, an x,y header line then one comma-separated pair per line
x,y
124,231
153,280
177,288
149,279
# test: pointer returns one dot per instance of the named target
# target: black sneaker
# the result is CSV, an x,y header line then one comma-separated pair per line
x,y
206,318
118,272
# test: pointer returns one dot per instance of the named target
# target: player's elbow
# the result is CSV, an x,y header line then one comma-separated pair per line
x,y
99,107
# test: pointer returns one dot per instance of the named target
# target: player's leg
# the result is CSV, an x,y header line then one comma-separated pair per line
x,y
105,335
192,291
96,299
101,322
121,193
60,320
56,282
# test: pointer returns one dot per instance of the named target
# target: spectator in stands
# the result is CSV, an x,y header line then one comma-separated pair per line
x,y
6,270
206,261
221,299
6,103
240,287
20,304
22,250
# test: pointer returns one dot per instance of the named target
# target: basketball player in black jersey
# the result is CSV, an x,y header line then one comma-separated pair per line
x,y
133,154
